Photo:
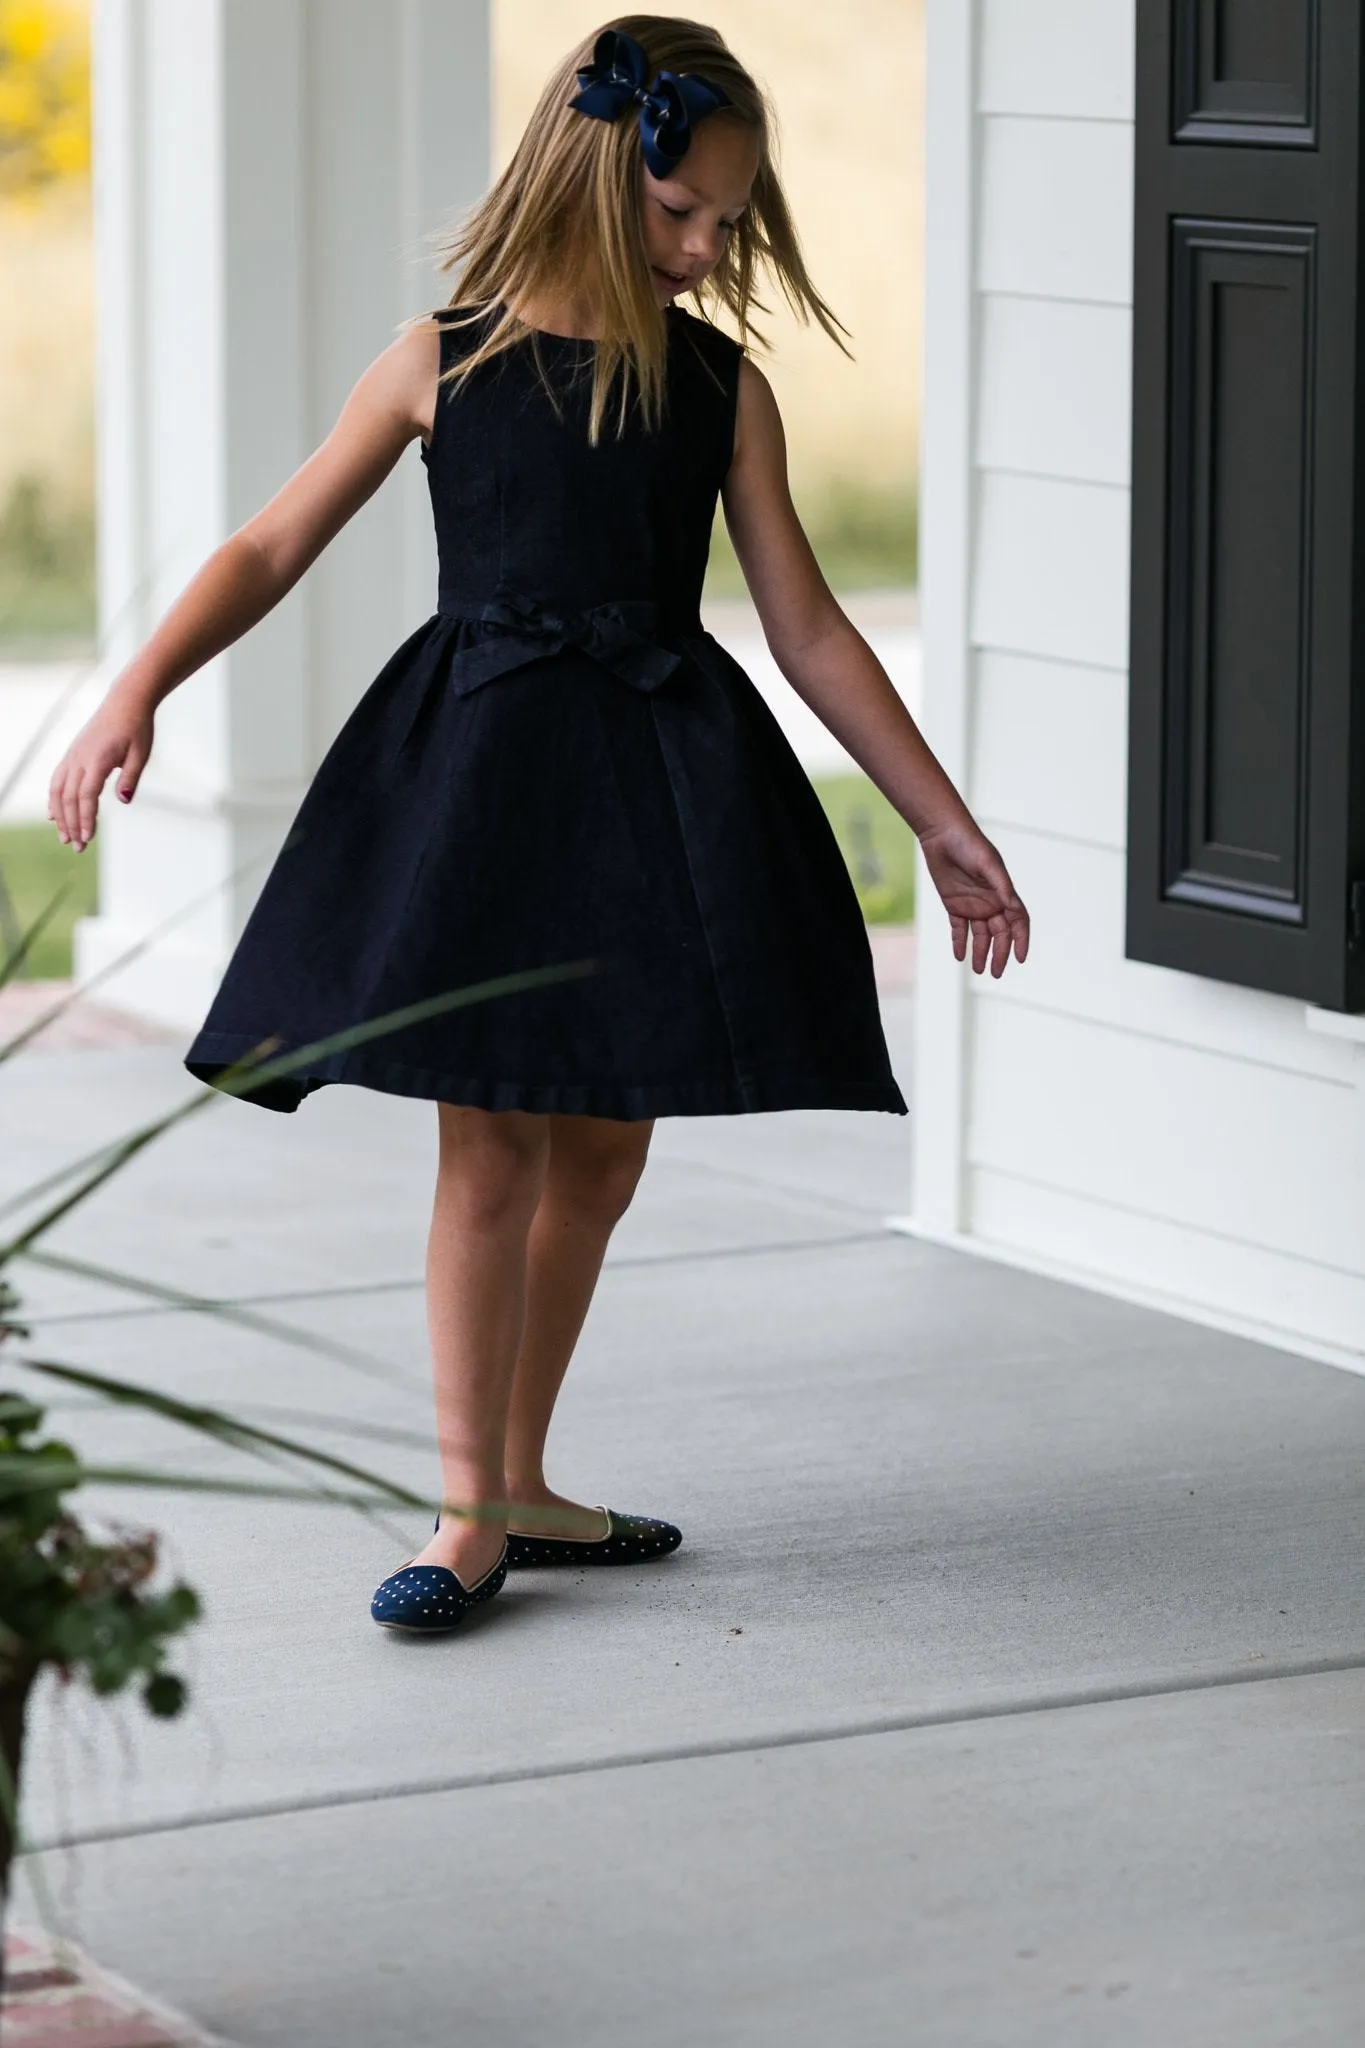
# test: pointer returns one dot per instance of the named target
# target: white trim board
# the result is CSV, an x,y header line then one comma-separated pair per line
x,y
948,519
1119,1289
1335,1024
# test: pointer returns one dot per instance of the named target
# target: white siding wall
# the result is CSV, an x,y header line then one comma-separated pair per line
x,y
1160,1135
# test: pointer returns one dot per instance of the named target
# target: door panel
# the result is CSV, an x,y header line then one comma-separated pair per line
x,y
1240,564
1246,71
1246,716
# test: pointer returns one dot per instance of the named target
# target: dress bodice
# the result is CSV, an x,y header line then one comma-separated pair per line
x,y
527,511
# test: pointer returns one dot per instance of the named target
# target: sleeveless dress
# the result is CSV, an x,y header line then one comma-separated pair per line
x,y
562,767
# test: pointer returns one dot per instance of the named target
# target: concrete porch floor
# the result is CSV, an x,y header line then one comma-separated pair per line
x,y
1009,1688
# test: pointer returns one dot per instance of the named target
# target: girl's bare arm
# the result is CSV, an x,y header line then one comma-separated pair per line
x,y
249,573
830,665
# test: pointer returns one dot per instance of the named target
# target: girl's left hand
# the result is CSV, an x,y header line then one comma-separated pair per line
x,y
977,893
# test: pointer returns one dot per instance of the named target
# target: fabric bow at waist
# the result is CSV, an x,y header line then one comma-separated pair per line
x,y
519,629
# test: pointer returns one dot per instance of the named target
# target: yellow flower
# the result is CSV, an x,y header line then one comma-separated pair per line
x,y
27,28
44,94
67,149
21,104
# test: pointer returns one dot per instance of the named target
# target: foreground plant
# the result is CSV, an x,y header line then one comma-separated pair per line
x,y
85,1606
69,1601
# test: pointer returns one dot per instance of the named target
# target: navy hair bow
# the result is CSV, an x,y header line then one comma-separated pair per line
x,y
615,80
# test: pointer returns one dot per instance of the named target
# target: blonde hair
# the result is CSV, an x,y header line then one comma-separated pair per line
x,y
568,206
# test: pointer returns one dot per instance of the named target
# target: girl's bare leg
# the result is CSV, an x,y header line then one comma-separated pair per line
x,y
593,1167
491,1175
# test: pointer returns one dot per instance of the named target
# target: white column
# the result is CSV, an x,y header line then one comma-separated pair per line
x,y
265,173
948,499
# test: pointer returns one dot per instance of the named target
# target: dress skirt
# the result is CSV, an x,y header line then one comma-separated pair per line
x,y
645,826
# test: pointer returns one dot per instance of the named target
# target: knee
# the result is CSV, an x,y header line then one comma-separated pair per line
x,y
491,1173
613,1188
598,1178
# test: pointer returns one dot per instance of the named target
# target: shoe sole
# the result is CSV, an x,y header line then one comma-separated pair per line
x,y
405,1628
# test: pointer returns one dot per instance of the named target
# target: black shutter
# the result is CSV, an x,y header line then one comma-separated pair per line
x,y
1246,774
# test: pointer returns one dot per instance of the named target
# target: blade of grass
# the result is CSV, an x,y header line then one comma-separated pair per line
x,y
10,931
233,1434
23,1475
285,1064
75,683
87,1162
131,604
324,1419
16,955
215,1423
251,1072
71,997
230,1434
112,1159
225,1311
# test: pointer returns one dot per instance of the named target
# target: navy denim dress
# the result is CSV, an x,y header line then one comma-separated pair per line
x,y
561,766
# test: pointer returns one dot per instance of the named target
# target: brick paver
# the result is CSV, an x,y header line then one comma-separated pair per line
x,y
55,1997
94,1026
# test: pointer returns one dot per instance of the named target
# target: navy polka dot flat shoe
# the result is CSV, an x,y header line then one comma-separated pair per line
x,y
630,1539
425,1599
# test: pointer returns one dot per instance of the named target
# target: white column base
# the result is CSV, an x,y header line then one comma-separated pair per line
x,y
172,984
1118,1286
178,881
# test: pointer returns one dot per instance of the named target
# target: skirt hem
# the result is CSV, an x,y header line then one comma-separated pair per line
x,y
213,1053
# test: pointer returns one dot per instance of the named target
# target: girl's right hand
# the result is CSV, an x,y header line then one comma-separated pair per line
x,y
114,738
248,574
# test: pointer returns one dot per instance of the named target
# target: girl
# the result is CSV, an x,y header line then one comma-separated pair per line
x,y
561,767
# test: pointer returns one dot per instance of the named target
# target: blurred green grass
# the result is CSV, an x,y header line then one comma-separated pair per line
x,y
33,867
47,572
864,537
877,844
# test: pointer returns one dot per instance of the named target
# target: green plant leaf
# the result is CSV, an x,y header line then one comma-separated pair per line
x,y
333,1424
217,1424
18,1476
73,996
129,611
37,739
164,1695
261,1067
226,1311
281,1065
112,1159
15,956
